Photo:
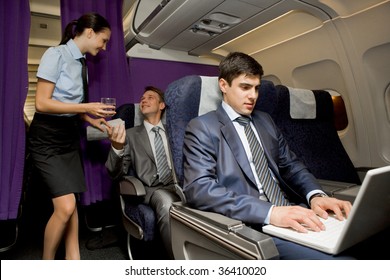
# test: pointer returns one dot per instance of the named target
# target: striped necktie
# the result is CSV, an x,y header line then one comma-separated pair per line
x,y
269,184
84,76
163,170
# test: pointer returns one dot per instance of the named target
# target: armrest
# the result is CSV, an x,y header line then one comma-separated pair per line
x,y
130,185
340,190
205,235
332,187
215,219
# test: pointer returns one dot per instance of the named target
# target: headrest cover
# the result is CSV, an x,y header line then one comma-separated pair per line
x,y
210,95
302,103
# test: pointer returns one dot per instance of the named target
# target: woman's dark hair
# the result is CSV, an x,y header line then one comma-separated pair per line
x,y
76,27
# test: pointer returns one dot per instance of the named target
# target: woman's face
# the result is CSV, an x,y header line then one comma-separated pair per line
x,y
98,41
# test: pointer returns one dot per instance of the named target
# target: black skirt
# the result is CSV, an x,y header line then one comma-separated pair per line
x,y
54,146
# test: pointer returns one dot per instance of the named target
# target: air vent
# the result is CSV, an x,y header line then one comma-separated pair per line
x,y
214,24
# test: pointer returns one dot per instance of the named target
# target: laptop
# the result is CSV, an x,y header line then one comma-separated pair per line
x,y
369,215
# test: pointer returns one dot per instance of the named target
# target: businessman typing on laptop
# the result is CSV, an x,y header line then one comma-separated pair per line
x,y
237,163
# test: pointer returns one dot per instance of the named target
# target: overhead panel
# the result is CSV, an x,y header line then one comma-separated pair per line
x,y
260,30
219,20
218,27
169,21
287,26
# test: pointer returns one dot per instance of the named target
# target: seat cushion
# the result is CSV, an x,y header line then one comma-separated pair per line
x,y
144,216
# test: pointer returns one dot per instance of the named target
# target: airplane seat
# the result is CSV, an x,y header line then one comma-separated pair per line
x,y
306,119
139,220
200,234
126,112
183,99
267,100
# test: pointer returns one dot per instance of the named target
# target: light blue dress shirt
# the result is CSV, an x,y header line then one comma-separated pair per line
x,y
61,66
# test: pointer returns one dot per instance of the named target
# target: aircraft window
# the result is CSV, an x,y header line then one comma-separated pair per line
x,y
340,112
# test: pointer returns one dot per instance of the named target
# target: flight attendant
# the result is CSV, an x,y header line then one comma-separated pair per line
x,y
54,141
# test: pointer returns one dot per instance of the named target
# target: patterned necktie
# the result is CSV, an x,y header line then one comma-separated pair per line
x,y
270,186
162,163
84,76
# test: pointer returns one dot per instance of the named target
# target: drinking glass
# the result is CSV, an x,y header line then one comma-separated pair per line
x,y
109,101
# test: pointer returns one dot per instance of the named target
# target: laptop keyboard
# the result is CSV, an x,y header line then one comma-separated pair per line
x,y
331,233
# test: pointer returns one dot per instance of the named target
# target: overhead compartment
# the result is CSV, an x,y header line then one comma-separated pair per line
x,y
164,25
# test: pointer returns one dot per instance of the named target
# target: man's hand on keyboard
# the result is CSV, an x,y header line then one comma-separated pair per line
x,y
299,218
320,205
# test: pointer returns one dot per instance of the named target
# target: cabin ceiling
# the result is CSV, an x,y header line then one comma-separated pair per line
x,y
208,27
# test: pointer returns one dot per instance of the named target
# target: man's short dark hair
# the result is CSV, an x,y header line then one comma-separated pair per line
x,y
156,90
236,64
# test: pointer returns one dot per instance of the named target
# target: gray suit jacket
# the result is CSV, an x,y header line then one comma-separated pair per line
x,y
217,173
138,160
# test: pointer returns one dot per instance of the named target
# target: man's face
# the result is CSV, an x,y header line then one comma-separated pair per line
x,y
150,103
242,94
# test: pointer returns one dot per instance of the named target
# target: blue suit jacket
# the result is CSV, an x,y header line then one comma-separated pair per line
x,y
217,173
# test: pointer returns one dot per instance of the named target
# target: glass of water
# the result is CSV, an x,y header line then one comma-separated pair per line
x,y
109,101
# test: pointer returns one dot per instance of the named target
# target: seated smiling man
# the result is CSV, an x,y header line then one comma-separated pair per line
x,y
138,149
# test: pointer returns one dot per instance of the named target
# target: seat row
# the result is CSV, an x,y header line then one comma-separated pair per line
x,y
305,117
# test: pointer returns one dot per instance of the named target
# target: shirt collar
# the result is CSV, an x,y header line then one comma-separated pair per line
x,y
230,112
149,126
74,50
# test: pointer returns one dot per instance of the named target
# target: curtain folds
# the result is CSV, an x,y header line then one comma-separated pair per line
x,y
108,76
15,31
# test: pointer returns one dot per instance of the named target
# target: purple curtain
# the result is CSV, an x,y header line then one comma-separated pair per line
x,y
15,31
109,76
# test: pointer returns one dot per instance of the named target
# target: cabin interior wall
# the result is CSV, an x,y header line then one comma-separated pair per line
x,y
366,36
323,58
321,67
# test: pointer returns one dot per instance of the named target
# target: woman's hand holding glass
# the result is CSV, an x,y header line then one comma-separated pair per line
x,y
109,106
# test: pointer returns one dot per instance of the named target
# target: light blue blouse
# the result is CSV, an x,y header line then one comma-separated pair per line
x,y
61,65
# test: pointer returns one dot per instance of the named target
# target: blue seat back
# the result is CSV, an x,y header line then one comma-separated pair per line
x,y
314,140
183,101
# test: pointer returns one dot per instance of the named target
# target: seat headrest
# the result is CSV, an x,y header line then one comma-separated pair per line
x,y
268,98
302,103
314,104
210,95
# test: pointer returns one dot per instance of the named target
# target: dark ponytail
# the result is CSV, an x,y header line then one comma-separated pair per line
x,y
76,27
